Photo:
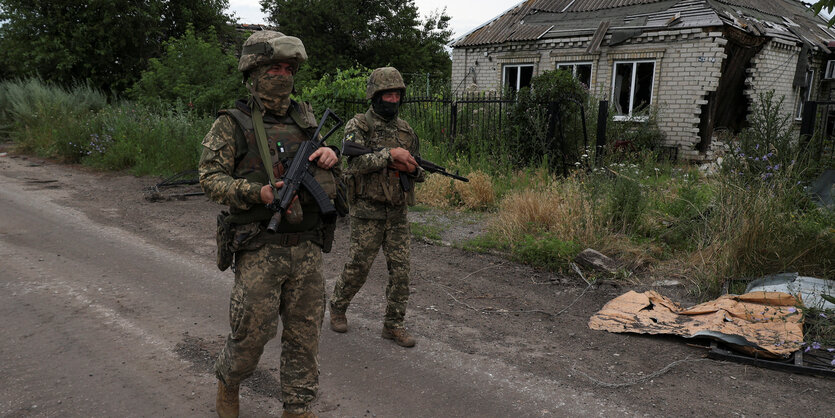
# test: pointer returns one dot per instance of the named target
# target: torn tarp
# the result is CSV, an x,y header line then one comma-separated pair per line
x,y
762,323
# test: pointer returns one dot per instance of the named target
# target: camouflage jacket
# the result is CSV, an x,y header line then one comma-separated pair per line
x,y
374,188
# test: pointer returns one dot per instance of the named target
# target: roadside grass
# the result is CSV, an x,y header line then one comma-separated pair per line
x,y
76,125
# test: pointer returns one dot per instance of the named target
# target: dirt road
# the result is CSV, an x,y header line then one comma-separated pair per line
x,y
111,306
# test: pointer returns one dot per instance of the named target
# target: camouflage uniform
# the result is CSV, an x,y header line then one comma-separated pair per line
x,y
378,204
276,275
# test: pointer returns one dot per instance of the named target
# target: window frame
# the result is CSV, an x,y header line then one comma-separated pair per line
x,y
573,65
635,62
518,74
810,79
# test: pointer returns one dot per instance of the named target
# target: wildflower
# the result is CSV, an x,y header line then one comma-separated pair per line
x,y
816,345
833,363
792,310
823,315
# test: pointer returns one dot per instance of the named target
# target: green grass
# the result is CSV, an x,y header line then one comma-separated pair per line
x,y
432,232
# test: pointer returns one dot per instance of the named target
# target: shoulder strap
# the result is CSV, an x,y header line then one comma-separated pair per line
x,y
243,120
261,139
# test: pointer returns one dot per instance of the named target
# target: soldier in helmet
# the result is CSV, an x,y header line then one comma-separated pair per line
x,y
277,275
379,203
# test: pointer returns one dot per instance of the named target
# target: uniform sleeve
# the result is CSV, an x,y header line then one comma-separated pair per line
x,y
217,163
367,163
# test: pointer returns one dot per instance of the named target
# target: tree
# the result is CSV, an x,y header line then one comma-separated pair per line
x,y
829,5
192,72
375,33
105,42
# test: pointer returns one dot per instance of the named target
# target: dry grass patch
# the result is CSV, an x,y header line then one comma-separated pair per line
x,y
478,193
436,191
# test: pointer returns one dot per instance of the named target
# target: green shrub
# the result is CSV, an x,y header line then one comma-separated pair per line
x,y
193,73
547,251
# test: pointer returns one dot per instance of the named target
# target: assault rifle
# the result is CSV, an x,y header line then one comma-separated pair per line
x,y
352,149
298,176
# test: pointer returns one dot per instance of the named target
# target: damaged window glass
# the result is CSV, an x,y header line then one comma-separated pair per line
x,y
632,87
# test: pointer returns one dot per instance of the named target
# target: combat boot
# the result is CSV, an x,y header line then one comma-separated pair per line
x,y
339,322
306,414
399,335
227,403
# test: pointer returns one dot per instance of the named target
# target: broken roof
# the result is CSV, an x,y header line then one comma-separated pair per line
x,y
532,20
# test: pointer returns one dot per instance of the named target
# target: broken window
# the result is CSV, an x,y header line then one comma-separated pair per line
x,y
580,70
517,76
632,87
804,93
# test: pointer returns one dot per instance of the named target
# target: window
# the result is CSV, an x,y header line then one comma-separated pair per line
x,y
632,87
804,93
517,76
580,70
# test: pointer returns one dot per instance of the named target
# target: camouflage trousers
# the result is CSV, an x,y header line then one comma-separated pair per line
x,y
271,282
367,236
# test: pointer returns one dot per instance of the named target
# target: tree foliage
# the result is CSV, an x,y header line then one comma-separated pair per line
x,y
368,33
106,42
192,72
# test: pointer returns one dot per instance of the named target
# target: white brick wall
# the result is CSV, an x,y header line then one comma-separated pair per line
x,y
773,69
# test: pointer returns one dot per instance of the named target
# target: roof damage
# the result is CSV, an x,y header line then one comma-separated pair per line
x,y
532,20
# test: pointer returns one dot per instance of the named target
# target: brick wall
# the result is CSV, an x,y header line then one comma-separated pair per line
x,y
773,69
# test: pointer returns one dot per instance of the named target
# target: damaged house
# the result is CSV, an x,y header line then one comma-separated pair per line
x,y
700,63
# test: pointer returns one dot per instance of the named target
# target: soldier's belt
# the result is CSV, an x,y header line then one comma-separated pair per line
x,y
291,239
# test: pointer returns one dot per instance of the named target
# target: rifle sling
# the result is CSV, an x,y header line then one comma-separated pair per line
x,y
263,146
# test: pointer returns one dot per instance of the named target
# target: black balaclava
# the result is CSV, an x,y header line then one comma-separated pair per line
x,y
385,109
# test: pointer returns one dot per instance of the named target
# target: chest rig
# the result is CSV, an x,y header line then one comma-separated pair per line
x,y
284,136
383,186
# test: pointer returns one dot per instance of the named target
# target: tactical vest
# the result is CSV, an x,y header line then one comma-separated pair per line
x,y
383,186
284,136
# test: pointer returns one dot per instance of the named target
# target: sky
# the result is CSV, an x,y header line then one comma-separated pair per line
x,y
466,14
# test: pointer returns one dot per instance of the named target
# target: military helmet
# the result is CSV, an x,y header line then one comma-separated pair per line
x,y
270,47
386,78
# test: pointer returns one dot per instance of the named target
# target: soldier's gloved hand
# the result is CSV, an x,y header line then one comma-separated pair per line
x,y
327,158
402,156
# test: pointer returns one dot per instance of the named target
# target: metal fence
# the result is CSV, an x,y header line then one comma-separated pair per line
x,y
489,125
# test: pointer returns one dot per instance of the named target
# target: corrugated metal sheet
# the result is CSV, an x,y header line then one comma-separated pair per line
x,y
528,20
500,29
592,5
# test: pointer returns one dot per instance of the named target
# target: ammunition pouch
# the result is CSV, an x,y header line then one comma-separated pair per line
x,y
328,229
225,234
232,238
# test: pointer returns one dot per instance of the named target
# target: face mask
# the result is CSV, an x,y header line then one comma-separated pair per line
x,y
385,109
274,91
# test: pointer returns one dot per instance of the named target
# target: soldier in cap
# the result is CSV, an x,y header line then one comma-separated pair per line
x,y
277,275
379,203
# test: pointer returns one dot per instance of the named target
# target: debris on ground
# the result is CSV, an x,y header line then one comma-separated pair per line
x,y
184,178
765,324
813,292
597,261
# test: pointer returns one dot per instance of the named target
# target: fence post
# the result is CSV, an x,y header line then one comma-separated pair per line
x,y
453,118
602,118
807,126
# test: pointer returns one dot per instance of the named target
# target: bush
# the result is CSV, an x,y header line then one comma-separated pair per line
x,y
193,73
768,149
46,119
331,91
